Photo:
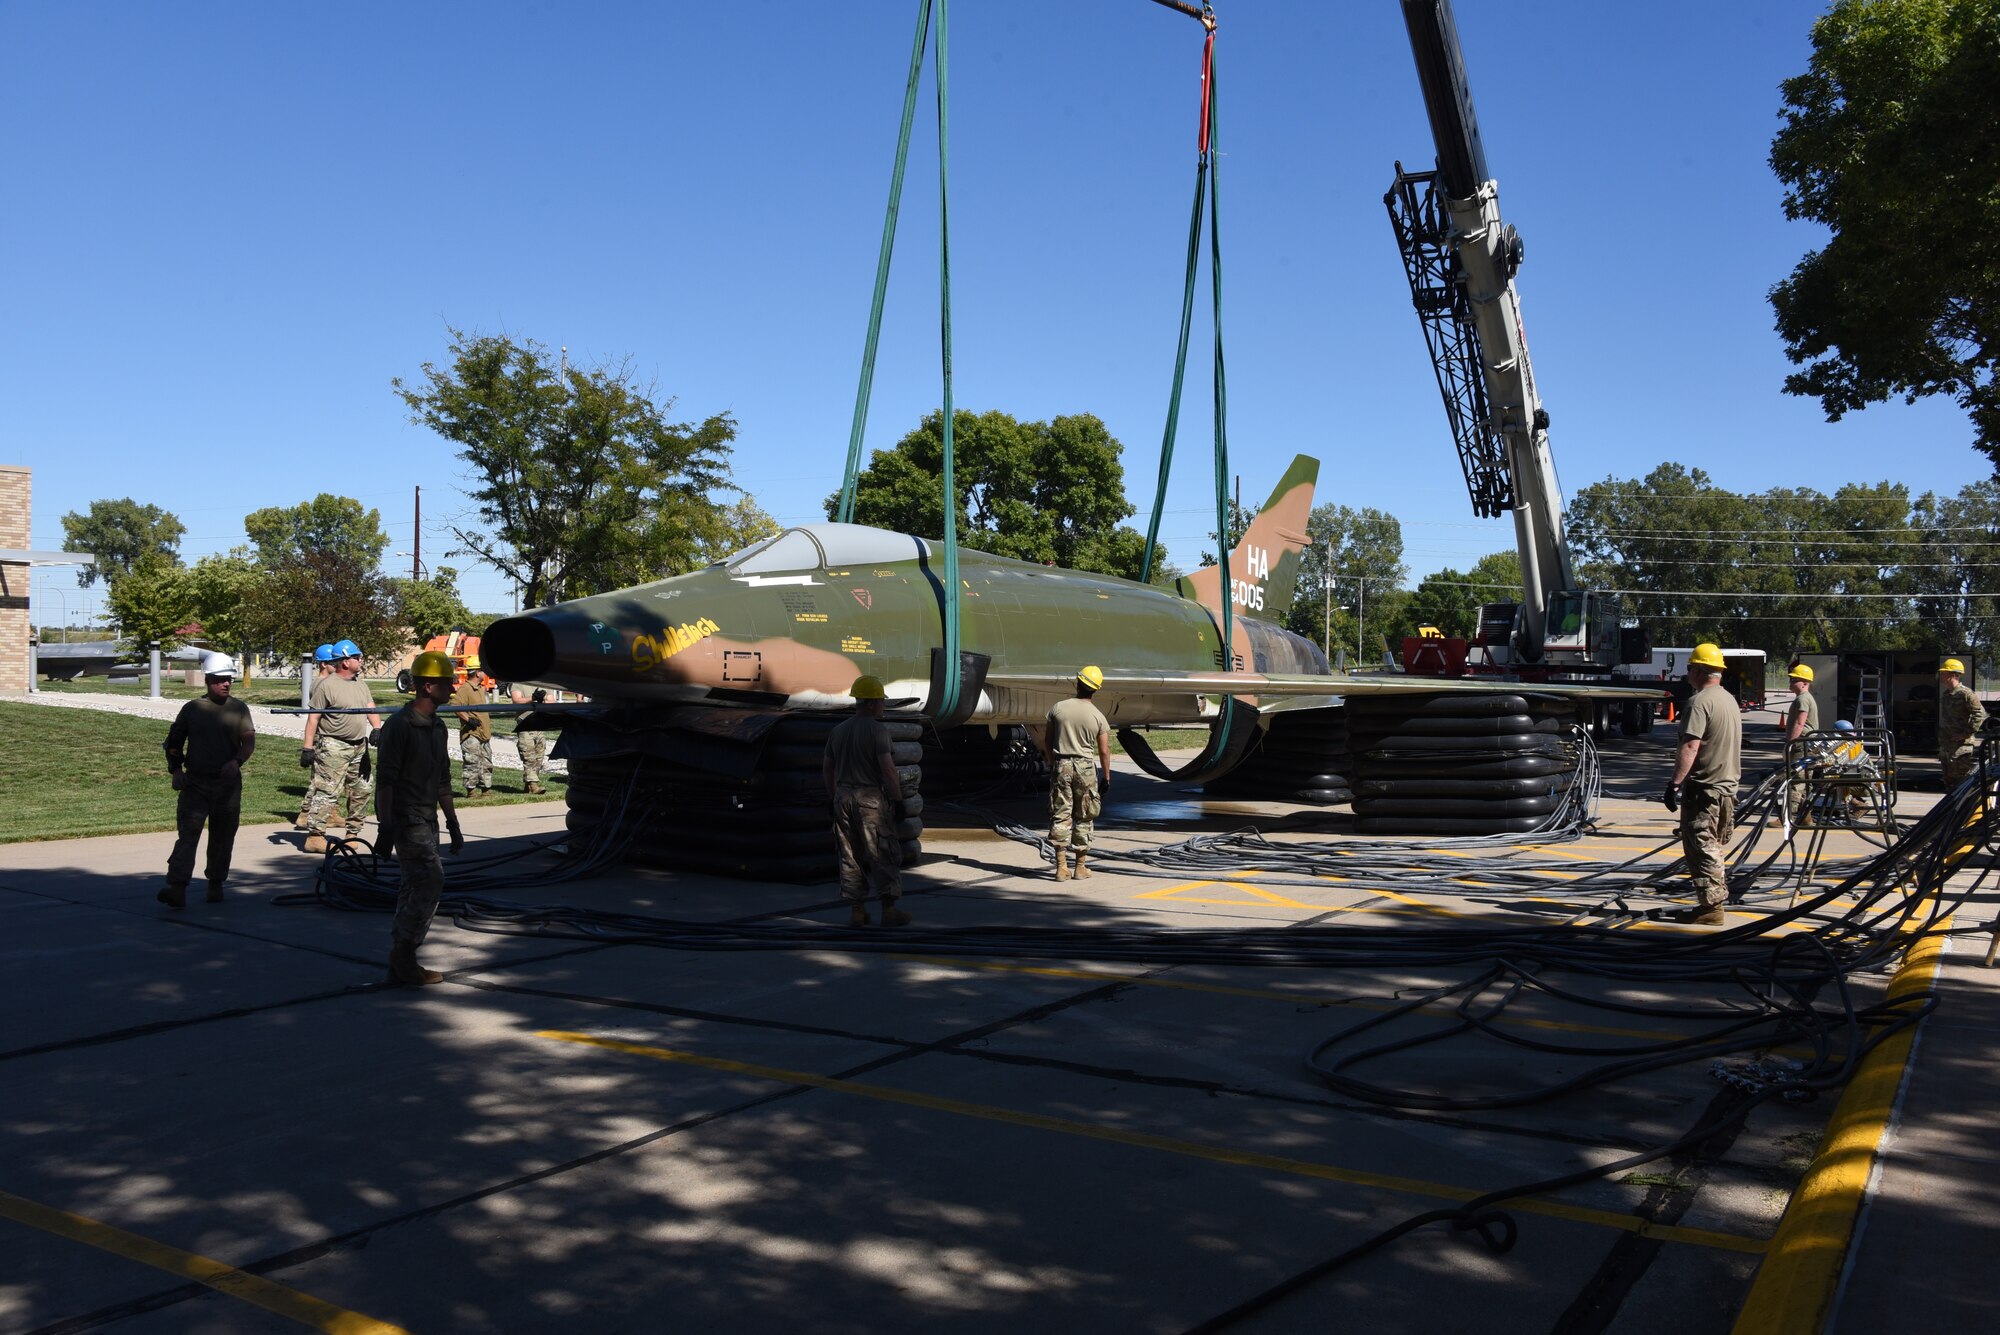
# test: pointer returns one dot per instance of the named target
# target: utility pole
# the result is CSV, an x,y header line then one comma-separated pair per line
x,y
1327,585
1360,615
417,541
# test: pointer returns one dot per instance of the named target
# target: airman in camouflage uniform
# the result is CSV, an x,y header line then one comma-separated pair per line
x,y
322,669
1077,741
1960,717
415,783
336,747
858,771
533,746
475,739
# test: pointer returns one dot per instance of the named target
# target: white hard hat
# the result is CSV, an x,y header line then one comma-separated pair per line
x,y
217,665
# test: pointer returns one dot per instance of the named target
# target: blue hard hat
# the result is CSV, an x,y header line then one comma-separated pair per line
x,y
323,654
1842,725
346,649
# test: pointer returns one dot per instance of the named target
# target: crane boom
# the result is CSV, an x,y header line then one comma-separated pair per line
x,y
1461,257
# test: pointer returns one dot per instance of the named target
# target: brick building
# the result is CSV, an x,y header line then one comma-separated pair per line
x,y
17,569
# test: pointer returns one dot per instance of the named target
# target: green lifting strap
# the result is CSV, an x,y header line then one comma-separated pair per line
x,y
1206,182
947,703
1222,539
1180,370
874,339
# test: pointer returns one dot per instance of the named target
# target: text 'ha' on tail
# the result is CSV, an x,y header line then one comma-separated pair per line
x,y
1264,568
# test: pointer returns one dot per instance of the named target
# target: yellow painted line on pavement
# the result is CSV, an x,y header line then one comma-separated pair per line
x,y
1266,994
1167,1144
1274,897
1178,894
1560,851
1795,1285
1173,890
1425,904
224,1279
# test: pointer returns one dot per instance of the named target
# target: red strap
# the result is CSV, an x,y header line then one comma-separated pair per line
x,y
1207,68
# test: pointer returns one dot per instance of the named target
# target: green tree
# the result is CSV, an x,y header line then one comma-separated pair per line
x,y
326,523
322,596
1240,516
1891,141
221,586
120,533
736,526
582,481
1450,599
1036,491
1677,542
1789,571
1956,541
152,601
1355,562
429,606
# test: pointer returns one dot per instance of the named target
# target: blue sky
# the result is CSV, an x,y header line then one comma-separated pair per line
x,y
233,224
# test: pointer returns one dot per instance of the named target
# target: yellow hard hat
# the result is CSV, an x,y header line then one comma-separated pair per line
x,y
1706,655
1092,677
1951,665
433,666
867,688
1800,672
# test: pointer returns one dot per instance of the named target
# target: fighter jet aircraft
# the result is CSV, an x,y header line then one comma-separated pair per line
x,y
68,662
791,622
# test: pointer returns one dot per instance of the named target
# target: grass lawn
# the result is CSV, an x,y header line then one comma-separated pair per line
x,y
77,772
278,691
1166,739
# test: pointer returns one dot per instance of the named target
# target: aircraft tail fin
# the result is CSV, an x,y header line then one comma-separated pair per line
x,y
1264,568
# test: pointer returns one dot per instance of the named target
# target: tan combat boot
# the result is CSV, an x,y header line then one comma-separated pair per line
x,y
1062,865
858,916
404,969
893,916
315,843
1082,872
535,788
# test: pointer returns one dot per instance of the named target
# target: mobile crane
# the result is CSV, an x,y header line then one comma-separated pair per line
x,y
1461,258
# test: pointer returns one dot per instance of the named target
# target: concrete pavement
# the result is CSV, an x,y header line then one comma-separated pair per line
x,y
572,1135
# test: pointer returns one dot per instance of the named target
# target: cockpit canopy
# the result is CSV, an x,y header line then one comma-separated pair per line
x,y
829,546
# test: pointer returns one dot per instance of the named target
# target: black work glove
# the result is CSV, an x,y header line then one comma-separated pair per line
x,y
901,809
305,757
374,737
1672,796
457,837
385,843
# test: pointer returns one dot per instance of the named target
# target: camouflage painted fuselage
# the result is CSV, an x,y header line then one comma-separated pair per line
x,y
802,616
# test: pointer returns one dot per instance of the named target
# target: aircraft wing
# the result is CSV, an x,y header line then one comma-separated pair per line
x,y
504,707
1278,685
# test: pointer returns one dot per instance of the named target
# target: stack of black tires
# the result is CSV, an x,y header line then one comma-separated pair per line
x,y
771,824
1302,757
1460,764
977,760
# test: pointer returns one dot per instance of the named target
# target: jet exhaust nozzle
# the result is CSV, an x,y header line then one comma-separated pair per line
x,y
520,648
